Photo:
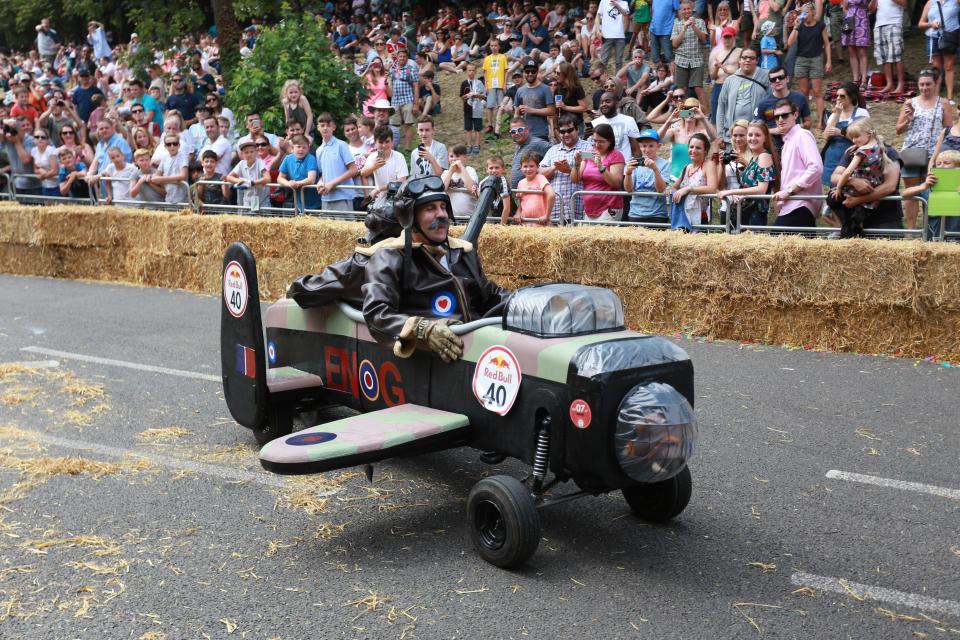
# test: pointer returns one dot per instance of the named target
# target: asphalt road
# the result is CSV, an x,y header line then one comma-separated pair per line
x,y
187,537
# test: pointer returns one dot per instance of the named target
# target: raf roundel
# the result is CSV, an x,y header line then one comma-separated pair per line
x,y
235,291
307,439
444,304
369,383
271,352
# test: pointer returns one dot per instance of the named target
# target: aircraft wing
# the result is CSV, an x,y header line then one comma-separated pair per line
x,y
406,429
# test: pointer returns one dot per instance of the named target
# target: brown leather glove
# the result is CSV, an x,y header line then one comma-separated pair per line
x,y
438,337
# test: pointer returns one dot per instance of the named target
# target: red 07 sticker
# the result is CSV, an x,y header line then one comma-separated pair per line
x,y
496,380
580,414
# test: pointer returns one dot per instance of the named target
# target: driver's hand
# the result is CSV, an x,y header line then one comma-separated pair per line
x,y
441,340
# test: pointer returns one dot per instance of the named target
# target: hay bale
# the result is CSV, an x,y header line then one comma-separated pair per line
x,y
169,271
194,235
75,226
16,225
29,260
938,286
524,252
141,228
92,263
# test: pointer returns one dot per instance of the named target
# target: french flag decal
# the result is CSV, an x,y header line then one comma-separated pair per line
x,y
246,361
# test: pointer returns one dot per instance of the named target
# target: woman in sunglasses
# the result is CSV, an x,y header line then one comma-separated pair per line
x,y
45,163
71,139
217,108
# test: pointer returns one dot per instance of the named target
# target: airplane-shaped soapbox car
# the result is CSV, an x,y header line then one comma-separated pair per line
x,y
553,379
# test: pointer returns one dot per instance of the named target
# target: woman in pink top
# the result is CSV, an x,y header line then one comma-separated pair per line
x,y
602,172
376,84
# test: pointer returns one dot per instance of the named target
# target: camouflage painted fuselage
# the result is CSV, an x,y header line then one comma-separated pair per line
x,y
320,355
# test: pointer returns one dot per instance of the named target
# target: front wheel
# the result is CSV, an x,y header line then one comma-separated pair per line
x,y
503,520
660,501
279,423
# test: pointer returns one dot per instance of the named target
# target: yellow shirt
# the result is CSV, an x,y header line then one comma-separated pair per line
x,y
495,71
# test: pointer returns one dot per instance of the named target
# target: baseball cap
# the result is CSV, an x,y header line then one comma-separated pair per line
x,y
83,72
649,134
530,64
728,31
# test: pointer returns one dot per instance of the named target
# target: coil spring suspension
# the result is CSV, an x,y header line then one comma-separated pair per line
x,y
541,456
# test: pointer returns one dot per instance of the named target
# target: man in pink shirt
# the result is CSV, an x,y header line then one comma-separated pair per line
x,y
800,169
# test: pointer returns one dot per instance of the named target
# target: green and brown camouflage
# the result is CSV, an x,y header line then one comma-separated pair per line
x,y
384,431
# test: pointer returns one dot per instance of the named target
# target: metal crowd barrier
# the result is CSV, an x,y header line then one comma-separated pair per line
x,y
732,224
30,198
99,198
334,213
201,207
641,194
922,232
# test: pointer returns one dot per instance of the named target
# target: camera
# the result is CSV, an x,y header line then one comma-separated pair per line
x,y
728,157
61,103
9,131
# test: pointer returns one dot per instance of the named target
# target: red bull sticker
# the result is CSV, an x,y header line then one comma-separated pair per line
x,y
496,380
369,383
444,304
235,290
580,414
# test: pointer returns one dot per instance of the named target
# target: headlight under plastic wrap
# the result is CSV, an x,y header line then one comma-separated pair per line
x,y
656,432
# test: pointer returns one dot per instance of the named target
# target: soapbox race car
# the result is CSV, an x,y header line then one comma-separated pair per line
x,y
552,379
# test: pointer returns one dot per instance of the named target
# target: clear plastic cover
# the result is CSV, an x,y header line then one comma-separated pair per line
x,y
656,432
622,355
556,310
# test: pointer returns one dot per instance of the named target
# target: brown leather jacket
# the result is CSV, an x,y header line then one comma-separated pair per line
x,y
393,298
340,281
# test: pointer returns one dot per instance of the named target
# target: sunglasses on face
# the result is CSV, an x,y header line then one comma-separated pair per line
x,y
136,110
171,144
262,145
678,98
566,130
777,78
783,116
67,133
39,137
517,131
748,58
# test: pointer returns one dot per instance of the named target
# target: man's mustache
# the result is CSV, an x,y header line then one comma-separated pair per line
x,y
437,223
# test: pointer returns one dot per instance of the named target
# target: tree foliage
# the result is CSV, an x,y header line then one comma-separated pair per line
x,y
295,48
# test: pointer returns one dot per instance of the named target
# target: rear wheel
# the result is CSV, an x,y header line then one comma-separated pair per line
x,y
279,423
503,520
660,501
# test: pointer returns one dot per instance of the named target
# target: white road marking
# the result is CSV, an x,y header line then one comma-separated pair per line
x,y
122,363
36,364
171,462
880,594
943,492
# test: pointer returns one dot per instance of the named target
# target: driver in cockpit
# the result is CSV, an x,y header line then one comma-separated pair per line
x,y
419,285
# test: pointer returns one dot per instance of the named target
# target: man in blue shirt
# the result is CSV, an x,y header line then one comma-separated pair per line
x,y
84,93
646,173
109,138
337,167
664,12
183,101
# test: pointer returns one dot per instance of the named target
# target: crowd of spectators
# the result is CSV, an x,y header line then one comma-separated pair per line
x,y
693,98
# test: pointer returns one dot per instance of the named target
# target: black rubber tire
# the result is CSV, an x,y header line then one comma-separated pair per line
x,y
660,501
503,521
279,423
